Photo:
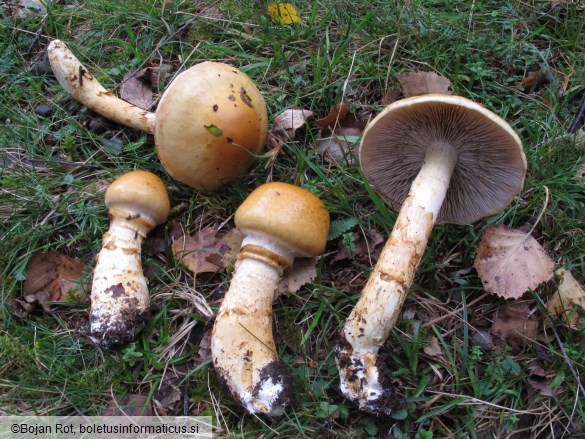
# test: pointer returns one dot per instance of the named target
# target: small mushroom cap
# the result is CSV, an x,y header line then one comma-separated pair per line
x,y
139,195
210,123
490,165
288,214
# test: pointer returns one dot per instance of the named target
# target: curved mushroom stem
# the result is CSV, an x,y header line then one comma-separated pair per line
x,y
82,85
375,314
242,345
119,295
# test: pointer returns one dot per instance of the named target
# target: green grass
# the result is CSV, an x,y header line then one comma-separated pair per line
x,y
343,51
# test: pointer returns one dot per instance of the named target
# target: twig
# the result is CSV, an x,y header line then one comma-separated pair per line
x,y
580,115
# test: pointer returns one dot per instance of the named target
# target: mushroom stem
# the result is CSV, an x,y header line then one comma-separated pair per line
x,y
243,348
119,294
85,88
375,314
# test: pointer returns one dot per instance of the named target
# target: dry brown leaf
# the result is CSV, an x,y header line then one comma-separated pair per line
x,y
510,262
202,252
337,115
234,239
533,80
569,294
419,83
284,128
515,324
136,91
432,347
289,121
339,136
57,274
25,8
304,270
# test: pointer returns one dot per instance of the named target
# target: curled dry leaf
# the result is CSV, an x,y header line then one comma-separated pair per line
x,y
340,134
285,128
515,324
510,262
50,277
533,80
569,295
304,270
420,83
202,252
289,121
136,91
432,347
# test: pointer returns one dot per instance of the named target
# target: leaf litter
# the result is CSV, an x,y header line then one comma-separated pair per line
x,y
510,262
50,277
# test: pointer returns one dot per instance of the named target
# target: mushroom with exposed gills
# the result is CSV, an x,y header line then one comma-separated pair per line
x,y
137,202
209,126
444,159
280,222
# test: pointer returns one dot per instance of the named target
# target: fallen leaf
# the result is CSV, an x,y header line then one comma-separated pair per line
x,y
340,134
130,405
136,91
340,147
52,277
533,80
420,83
284,13
233,239
515,324
304,270
284,129
569,295
432,347
337,114
202,252
543,388
510,262
289,121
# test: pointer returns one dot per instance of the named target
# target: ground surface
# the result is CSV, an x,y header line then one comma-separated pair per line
x,y
454,376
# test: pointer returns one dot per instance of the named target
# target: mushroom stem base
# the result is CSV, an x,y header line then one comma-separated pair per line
x,y
242,344
119,294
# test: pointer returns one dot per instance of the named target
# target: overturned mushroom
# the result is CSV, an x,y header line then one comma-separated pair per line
x,y
280,222
444,159
208,127
137,202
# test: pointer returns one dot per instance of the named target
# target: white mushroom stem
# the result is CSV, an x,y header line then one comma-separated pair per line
x,y
119,294
375,314
85,88
242,345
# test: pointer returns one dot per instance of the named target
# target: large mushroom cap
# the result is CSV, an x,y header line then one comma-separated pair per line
x,y
139,195
210,123
289,214
490,165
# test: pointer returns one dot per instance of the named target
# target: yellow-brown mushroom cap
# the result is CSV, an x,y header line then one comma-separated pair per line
x,y
210,124
289,214
139,195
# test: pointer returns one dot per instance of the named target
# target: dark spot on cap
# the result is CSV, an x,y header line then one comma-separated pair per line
x,y
245,98
215,107
230,140
232,98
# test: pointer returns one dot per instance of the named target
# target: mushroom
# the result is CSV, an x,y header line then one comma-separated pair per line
x,y
444,159
137,202
210,123
280,222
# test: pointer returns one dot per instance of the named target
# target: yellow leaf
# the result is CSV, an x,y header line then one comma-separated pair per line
x,y
284,13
